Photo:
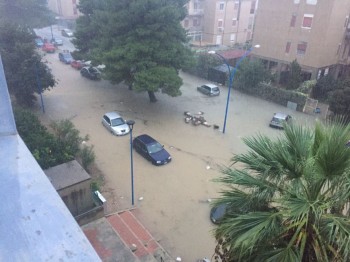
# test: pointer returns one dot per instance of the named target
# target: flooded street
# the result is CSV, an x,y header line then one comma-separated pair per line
x,y
174,205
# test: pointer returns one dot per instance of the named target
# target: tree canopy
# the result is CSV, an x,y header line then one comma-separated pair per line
x,y
25,73
141,42
26,13
290,199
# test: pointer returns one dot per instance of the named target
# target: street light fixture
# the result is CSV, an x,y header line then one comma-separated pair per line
x,y
231,76
131,126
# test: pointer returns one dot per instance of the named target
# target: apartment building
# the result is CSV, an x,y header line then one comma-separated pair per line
x,y
65,9
314,32
220,22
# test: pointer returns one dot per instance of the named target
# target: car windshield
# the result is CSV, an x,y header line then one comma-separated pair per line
x,y
67,55
154,148
117,121
277,120
215,89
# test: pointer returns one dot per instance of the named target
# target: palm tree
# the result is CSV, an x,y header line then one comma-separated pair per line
x,y
288,199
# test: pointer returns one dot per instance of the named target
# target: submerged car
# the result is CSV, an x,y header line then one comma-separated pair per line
x,y
217,213
78,64
151,149
279,119
48,48
56,41
39,42
209,89
66,32
65,57
91,72
115,124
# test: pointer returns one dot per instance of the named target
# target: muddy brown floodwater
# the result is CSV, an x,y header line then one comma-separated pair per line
x,y
174,205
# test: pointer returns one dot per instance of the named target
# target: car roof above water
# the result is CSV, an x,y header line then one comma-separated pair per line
x,y
280,115
112,115
146,139
210,85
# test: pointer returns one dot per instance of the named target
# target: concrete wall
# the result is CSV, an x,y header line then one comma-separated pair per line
x,y
64,8
77,197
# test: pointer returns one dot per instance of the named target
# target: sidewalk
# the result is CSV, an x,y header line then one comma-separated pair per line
x,y
122,237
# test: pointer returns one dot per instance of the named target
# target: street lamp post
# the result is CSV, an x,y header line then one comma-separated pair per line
x,y
131,126
51,32
231,76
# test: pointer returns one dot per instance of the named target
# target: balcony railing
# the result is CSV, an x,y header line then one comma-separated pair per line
x,y
195,12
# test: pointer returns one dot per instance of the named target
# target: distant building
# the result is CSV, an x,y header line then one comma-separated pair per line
x,y
315,33
65,9
220,22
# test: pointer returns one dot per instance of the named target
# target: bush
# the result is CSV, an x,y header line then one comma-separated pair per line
x,y
306,87
87,156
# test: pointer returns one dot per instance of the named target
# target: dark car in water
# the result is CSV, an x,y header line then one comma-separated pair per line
x,y
151,149
65,57
91,72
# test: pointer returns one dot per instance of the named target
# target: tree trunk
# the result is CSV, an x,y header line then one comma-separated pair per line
x,y
152,97
130,86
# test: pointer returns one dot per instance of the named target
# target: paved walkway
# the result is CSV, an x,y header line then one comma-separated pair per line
x,y
121,237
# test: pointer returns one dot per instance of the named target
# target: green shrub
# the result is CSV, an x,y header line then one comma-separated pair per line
x,y
87,156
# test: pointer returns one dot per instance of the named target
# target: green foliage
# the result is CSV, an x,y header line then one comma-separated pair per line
x,y
288,198
323,87
134,39
294,77
50,150
26,13
306,87
22,64
339,102
87,156
201,65
249,74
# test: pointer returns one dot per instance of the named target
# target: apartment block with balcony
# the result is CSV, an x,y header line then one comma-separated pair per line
x,y
220,22
65,9
314,32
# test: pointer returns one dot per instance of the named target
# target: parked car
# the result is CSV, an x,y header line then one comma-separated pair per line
x,y
65,57
279,119
209,89
217,213
90,72
77,64
39,42
56,41
115,124
151,149
48,48
67,33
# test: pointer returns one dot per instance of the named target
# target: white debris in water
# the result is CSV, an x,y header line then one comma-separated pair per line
x,y
140,198
209,200
208,167
83,142
178,259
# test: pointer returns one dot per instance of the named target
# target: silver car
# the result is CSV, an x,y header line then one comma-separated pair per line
x,y
209,90
279,119
115,124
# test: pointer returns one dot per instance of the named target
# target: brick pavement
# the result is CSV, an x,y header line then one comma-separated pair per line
x,y
115,236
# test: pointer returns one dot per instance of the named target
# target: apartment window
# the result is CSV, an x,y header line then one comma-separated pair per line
x,y
301,48
232,38
221,6
74,2
311,2
307,21
220,23
195,5
186,23
296,2
250,23
252,7
346,21
234,22
293,20
236,5
196,22
75,10
288,47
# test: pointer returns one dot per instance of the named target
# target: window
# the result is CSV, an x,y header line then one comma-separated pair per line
x,y
252,7
186,23
288,47
250,23
346,21
301,49
232,38
236,5
296,2
311,2
307,21
220,23
293,20
195,5
196,22
234,22
221,6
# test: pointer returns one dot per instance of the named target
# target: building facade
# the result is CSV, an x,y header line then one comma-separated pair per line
x,y
316,33
65,9
220,22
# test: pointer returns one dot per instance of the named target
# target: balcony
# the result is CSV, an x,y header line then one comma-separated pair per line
x,y
195,12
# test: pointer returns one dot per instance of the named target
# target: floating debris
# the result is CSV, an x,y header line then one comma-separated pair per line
x,y
140,198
